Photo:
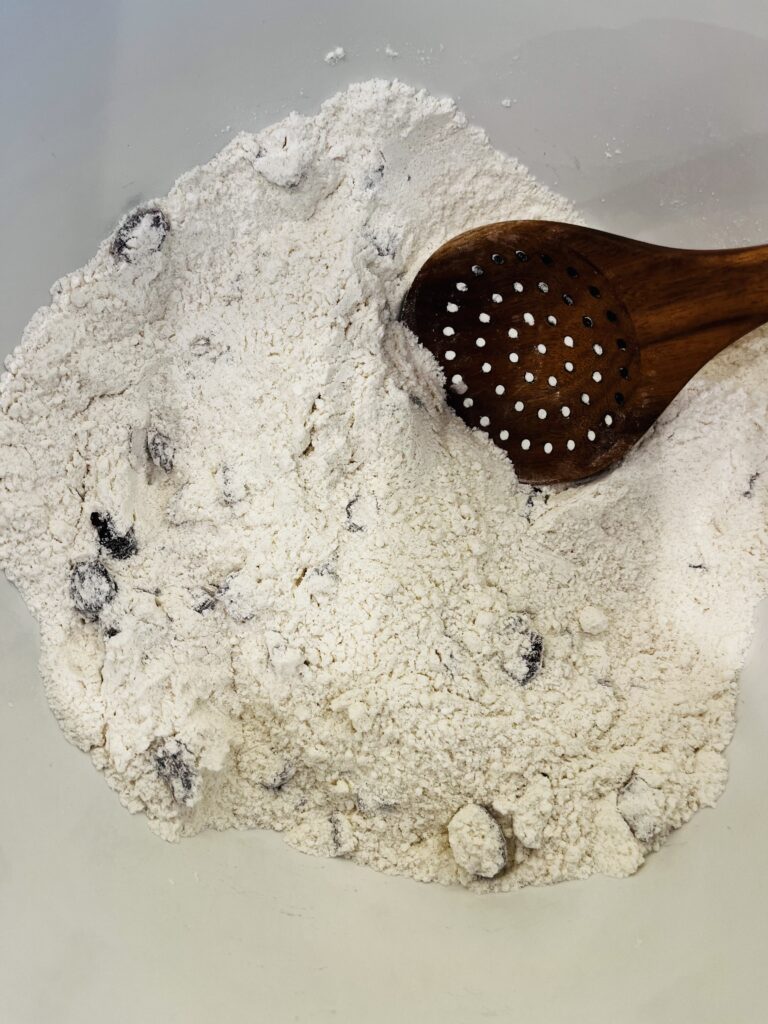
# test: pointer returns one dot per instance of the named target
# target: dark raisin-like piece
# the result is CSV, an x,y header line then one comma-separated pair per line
x,y
532,653
524,652
279,777
352,526
141,233
174,765
751,486
91,587
160,450
343,841
119,545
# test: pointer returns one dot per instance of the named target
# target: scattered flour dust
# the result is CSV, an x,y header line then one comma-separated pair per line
x,y
335,56
281,585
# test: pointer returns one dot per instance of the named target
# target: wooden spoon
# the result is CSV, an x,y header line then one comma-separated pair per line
x,y
565,344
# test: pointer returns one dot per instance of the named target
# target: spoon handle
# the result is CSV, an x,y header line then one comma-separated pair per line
x,y
686,305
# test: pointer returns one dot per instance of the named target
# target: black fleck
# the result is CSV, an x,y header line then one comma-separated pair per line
x,y
352,526
142,232
206,605
173,763
118,545
278,779
698,565
160,450
91,587
532,656
531,500
751,486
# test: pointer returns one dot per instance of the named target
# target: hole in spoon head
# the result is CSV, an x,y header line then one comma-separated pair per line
x,y
497,258
477,271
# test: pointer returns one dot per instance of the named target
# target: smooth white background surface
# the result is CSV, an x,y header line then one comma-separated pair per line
x,y
103,104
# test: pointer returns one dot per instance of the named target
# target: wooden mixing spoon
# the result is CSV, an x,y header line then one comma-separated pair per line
x,y
565,344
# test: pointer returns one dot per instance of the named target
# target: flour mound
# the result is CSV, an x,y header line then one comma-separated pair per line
x,y
281,585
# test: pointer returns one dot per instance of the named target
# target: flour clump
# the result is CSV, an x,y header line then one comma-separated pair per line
x,y
280,585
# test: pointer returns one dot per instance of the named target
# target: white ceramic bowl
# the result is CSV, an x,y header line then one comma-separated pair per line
x,y
654,122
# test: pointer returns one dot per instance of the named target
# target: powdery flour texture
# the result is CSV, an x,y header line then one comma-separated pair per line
x,y
281,585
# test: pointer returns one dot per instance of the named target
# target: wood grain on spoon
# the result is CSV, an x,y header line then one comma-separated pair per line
x,y
565,344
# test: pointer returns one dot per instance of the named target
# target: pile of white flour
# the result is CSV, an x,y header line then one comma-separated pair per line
x,y
281,585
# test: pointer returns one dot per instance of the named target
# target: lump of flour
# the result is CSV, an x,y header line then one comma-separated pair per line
x,y
281,585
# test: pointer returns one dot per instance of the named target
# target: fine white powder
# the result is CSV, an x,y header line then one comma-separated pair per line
x,y
281,585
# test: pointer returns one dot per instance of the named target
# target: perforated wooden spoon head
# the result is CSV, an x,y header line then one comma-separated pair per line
x,y
565,344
